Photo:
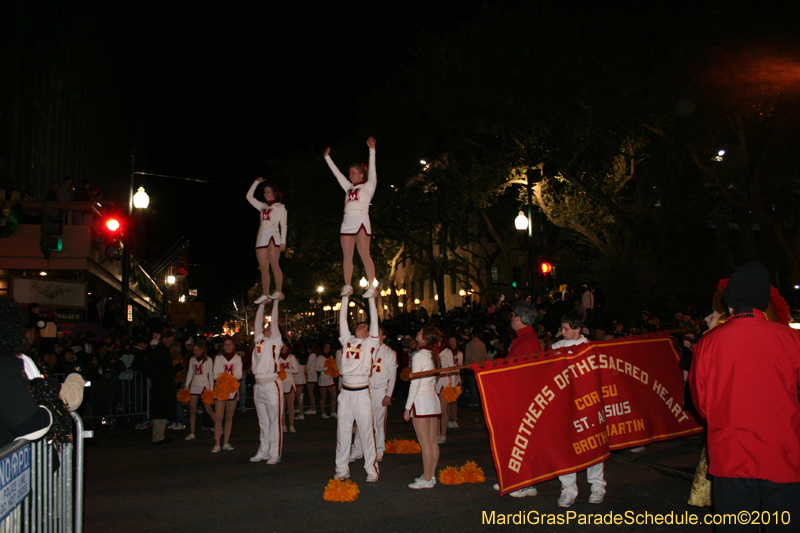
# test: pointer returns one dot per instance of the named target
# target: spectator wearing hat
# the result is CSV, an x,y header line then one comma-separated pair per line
x,y
744,381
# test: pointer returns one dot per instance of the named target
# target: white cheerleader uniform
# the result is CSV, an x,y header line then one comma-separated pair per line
x,y
232,367
325,380
458,360
446,360
198,376
311,367
381,385
268,390
354,403
300,377
422,399
291,368
356,203
273,220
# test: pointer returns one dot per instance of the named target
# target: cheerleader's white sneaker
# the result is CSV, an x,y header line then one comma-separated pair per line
x,y
299,417
310,412
258,457
262,299
190,436
274,461
347,290
215,449
369,293
324,416
421,483
292,430
277,295
227,447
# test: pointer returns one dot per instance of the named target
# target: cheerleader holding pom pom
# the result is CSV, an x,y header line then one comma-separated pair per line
x,y
227,362
356,229
271,240
198,379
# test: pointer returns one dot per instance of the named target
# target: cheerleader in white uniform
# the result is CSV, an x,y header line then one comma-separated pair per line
x,y
311,367
198,378
458,360
381,387
356,229
289,363
271,240
300,379
231,363
423,405
326,385
355,405
445,378
268,390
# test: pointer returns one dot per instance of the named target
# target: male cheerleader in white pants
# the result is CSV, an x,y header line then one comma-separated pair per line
x,y
268,390
354,404
381,386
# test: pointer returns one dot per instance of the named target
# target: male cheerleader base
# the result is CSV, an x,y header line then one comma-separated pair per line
x,y
354,401
381,387
268,390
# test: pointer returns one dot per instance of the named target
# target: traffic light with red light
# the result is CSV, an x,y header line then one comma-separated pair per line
x,y
112,229
546,268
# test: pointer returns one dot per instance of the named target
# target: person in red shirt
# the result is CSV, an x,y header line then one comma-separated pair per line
x,y
744,381
522,320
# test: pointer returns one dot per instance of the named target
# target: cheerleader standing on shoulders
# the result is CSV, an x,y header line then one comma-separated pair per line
x,y
355,405
271,240
423,405
227,362
326,385
268,390
458,360
300,378
356,229
289,364
445,379
198,378
311,367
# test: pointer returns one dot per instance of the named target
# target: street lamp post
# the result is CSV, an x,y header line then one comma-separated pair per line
x,y
139,200
523,222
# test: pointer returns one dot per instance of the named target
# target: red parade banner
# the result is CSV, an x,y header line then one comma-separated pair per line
x,y
554,413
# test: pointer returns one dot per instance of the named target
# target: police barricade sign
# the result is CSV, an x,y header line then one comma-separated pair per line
x,y
554,413
15,480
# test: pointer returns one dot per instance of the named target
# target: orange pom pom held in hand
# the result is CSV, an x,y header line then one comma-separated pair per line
x,y
184,395
450,394
207,397
341,491
225,387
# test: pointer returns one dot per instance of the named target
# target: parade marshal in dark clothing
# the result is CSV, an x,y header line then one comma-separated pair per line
x,y
744,381
526,341
162,385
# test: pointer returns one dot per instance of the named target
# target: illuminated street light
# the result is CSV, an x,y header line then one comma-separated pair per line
x,y
521,222
363,282
423,162
141,199
436,297
352,304
399,304
171,280
320,289
42,273
462,293
416,301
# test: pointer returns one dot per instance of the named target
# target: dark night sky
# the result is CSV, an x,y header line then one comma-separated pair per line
x,y
227,91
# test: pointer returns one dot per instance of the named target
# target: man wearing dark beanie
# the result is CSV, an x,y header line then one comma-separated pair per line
x,y
744,381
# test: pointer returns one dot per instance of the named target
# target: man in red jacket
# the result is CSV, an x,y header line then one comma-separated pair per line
x,y
744,381
522,321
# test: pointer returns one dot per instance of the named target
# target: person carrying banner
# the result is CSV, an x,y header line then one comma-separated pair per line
x,y
525,343
753,435
571,325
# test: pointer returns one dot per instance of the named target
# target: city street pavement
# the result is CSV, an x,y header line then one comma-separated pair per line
x,y
133,485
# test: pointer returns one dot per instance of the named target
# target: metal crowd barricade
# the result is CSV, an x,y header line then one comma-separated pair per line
x,y
127,395
42,485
